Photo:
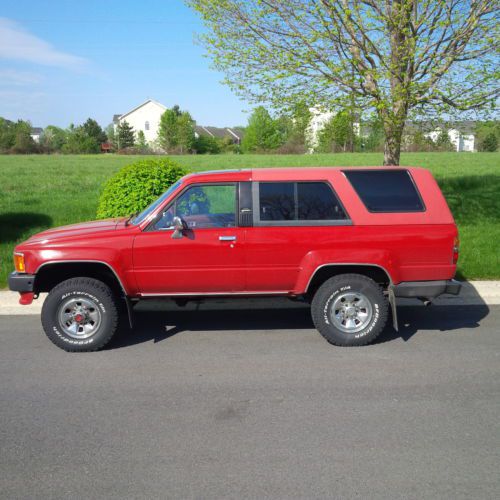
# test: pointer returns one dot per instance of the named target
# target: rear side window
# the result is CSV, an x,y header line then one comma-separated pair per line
x,y
299,202
386,190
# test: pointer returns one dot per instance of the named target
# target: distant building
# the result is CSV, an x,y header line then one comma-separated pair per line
x,y
146,117
235,135
461,135
36,133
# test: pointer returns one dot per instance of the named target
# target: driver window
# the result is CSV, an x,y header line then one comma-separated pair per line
x,y
209,206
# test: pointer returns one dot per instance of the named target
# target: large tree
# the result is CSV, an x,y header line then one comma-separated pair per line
x,y
392,57
176,131
263,133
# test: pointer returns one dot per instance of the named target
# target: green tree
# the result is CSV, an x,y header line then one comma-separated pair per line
x,y
485,131
112,136
94,130
301,117
168,131
490,143
443,142
185,132
176,131
336,134
53,139
7,135
79,142
125,135
392,57
374,139
263,133
140,143
23,142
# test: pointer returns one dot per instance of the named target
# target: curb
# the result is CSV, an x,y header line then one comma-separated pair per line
x,y
472,293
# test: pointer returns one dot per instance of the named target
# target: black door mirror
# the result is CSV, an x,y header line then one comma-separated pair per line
x,y
179,227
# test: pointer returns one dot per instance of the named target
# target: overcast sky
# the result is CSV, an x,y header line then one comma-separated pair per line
x,y
64,61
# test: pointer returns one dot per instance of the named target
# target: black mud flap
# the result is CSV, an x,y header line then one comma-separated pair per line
x,y
130,312
392,301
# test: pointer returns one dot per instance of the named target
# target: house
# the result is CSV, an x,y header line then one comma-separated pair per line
x,y
318,121
235,135
461,135
36,133
145,117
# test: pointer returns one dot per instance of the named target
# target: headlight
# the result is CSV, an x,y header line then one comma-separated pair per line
x,y
19,262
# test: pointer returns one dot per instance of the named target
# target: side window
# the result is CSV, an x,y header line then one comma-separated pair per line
x,y
146,126
277,201
316,201
386,190
209,206
299,202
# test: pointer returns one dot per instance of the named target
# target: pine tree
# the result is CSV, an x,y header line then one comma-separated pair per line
x,y
125,135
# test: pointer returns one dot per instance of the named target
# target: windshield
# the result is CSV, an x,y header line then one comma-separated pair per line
x,y
147,211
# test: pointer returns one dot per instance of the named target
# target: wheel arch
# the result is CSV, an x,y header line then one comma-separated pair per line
x,y
326,271
49,274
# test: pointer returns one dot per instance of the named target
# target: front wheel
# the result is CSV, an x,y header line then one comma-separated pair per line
x,y
349,310
80,314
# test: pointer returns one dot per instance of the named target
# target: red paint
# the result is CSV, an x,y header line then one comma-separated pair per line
x,y
409,246
26,298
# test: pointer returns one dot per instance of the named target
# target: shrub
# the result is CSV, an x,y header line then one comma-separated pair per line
x,y
490,143
135,186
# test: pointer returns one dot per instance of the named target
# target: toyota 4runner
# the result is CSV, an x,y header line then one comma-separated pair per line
x,y
347,240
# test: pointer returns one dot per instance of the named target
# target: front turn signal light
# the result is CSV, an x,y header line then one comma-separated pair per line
x,y
19,262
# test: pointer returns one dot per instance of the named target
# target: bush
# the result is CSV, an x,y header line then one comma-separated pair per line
x,y
490,143
135,186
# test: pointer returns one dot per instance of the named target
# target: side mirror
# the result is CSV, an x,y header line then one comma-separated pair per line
x,y
179,227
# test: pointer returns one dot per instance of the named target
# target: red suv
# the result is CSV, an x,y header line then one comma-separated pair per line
x,y
347,240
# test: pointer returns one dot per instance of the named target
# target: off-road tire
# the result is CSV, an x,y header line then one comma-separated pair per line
x,y
87,289
332,289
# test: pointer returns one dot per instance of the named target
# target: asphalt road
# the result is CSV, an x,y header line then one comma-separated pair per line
x,y
254,404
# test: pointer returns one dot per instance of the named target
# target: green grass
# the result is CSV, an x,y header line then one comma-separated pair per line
x,y
37,192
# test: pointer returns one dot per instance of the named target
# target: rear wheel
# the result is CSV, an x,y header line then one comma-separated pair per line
x,y
349,310
80,314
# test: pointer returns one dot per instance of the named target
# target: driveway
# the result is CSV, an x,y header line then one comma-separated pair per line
x,y
239,403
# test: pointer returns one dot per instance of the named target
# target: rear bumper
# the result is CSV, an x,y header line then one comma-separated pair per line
x,y
21,282
427,289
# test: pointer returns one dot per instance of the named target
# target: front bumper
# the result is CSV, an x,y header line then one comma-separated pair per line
x,y
21,282
427,289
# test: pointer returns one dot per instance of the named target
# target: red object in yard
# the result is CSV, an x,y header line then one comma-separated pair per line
x,y
106,147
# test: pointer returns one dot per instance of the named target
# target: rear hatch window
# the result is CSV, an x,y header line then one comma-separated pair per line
x,y
386,190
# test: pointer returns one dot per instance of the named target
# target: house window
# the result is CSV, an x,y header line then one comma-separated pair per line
x,y
146,126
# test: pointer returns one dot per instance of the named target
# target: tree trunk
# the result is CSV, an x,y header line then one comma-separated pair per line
x,y
394,125
392,151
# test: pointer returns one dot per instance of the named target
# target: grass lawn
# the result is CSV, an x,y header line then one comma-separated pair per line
x,y
37,192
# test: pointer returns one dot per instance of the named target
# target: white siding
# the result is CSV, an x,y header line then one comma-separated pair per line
x,y
143,117
462,142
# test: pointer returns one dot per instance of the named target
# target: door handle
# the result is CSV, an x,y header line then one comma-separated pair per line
x,y
227,238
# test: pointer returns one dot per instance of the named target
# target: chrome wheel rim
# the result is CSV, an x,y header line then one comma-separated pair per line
x,y
351,312
79,317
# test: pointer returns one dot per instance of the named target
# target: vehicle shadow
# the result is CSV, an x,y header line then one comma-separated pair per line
x,y
415,319
157,326
14,225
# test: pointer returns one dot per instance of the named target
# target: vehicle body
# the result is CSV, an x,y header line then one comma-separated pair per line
x,y
293,232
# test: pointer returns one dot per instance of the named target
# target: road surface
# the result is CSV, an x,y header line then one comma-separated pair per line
x,y
254,404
